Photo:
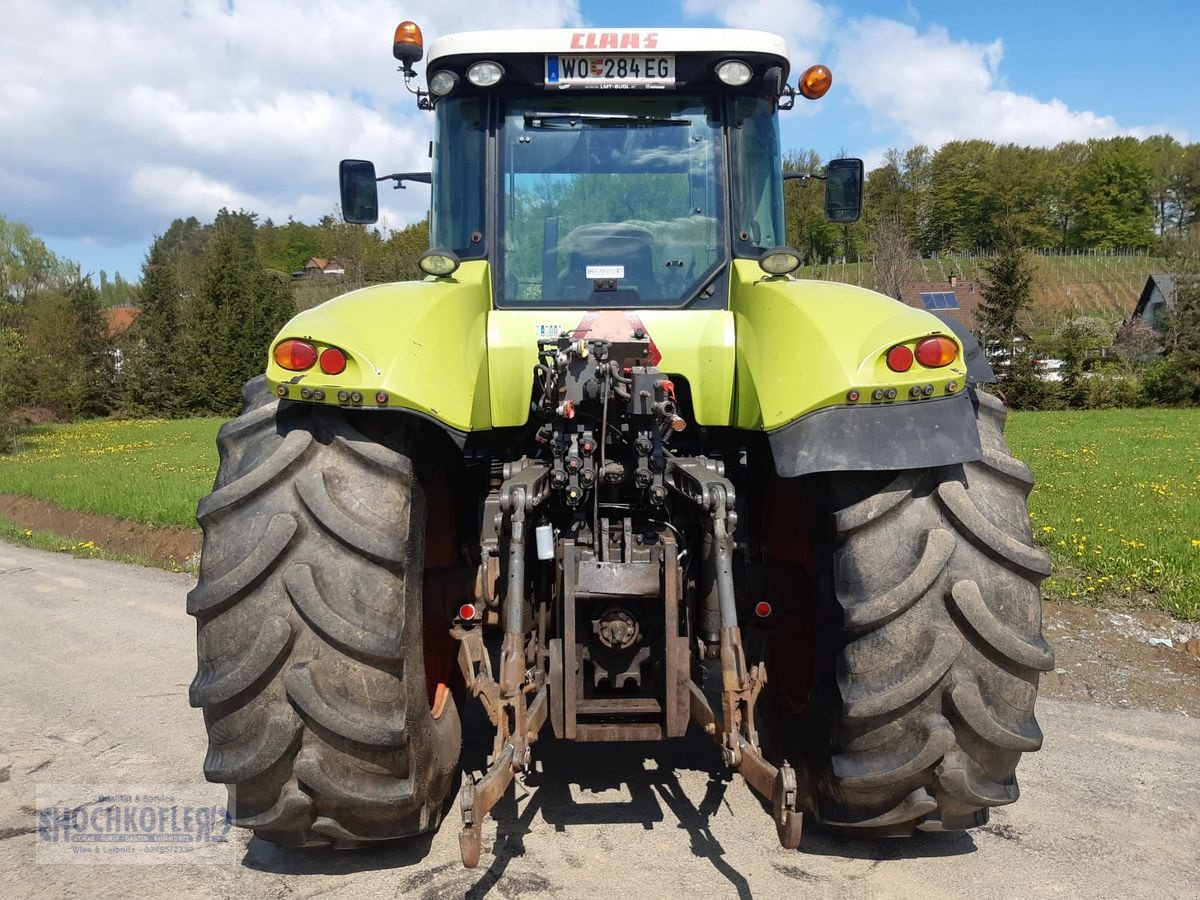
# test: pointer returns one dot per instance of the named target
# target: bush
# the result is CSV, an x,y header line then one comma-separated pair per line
x,y
1170,383
1138,343
10,438
1111,388
1024,388
1105,387
1086,331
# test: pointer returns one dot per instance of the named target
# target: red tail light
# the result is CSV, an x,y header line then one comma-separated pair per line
x,y
295,356
333,361
900,358
935,352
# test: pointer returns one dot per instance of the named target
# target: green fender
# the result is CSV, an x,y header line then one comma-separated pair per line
x,y
421,343
812,372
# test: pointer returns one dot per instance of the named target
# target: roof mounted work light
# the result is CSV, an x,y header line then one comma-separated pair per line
x,y
485,73
442,82
734,72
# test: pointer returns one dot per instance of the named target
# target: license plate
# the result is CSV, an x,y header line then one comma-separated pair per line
x,y
571,71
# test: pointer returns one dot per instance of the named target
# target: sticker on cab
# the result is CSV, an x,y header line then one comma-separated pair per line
x,y
604,271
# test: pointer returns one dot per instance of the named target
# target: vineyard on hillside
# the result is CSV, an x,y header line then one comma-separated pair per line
x,y
1067,284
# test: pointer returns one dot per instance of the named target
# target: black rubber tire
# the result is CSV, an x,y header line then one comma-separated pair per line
x,y
935,625
309,632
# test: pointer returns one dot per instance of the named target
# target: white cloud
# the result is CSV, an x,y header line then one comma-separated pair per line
x,y
916,85
804,24
933,89
172,190
117,117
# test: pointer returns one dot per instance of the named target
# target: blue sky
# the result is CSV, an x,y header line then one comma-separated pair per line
x,y
120,116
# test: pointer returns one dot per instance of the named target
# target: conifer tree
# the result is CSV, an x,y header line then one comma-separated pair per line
x,y
241,309
92,348
151,369
1007,291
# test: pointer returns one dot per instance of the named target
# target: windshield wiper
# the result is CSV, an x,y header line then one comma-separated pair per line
x,y
603,120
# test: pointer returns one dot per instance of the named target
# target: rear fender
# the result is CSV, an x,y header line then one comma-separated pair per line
x,y
418,347
805,349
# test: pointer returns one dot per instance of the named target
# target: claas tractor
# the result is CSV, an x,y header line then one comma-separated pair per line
x,y
611,471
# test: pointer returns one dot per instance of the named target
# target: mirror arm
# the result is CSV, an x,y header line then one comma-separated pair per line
x,y
401,177
802,177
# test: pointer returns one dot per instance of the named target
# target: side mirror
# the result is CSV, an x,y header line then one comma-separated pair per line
x,y
360,193
843,190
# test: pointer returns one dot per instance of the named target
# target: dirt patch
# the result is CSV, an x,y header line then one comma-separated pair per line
x,y
27,416
1122,658
170,546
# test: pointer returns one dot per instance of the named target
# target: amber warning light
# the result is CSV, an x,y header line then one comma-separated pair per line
x,y
408,45
815,82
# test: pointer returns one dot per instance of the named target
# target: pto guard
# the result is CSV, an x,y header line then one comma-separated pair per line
x,y
423,344
805,348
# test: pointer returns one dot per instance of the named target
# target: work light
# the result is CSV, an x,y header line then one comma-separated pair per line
x,y
485,73
734,72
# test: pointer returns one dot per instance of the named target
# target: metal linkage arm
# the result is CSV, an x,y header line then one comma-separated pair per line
x,y
740,686
517,723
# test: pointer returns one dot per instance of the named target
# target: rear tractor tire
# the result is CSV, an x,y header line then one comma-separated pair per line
x,y
309,632
935,630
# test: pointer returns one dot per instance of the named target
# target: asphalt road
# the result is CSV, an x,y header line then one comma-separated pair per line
x,y
95,659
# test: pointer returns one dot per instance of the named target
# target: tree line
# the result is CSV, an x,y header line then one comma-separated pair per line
x,y
1107,194
211,298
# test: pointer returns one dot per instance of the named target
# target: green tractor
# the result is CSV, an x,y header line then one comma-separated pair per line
x,y
611,468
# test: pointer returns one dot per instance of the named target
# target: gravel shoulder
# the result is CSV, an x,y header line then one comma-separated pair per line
x,y
95,659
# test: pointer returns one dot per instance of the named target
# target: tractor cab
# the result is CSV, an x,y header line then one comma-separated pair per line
x,y
605,169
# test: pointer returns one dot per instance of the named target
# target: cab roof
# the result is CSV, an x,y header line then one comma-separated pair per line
x,y
725,41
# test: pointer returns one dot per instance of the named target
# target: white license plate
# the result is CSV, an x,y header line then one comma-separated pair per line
x,y
571,70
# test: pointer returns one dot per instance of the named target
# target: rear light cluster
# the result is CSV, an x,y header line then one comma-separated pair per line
x,y
300,356
333,361
932,353
295,356
900,358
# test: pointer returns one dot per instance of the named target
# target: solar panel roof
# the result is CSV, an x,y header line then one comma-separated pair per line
x,y
939,300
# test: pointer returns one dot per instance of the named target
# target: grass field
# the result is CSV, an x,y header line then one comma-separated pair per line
x,y
1117,501
150,470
